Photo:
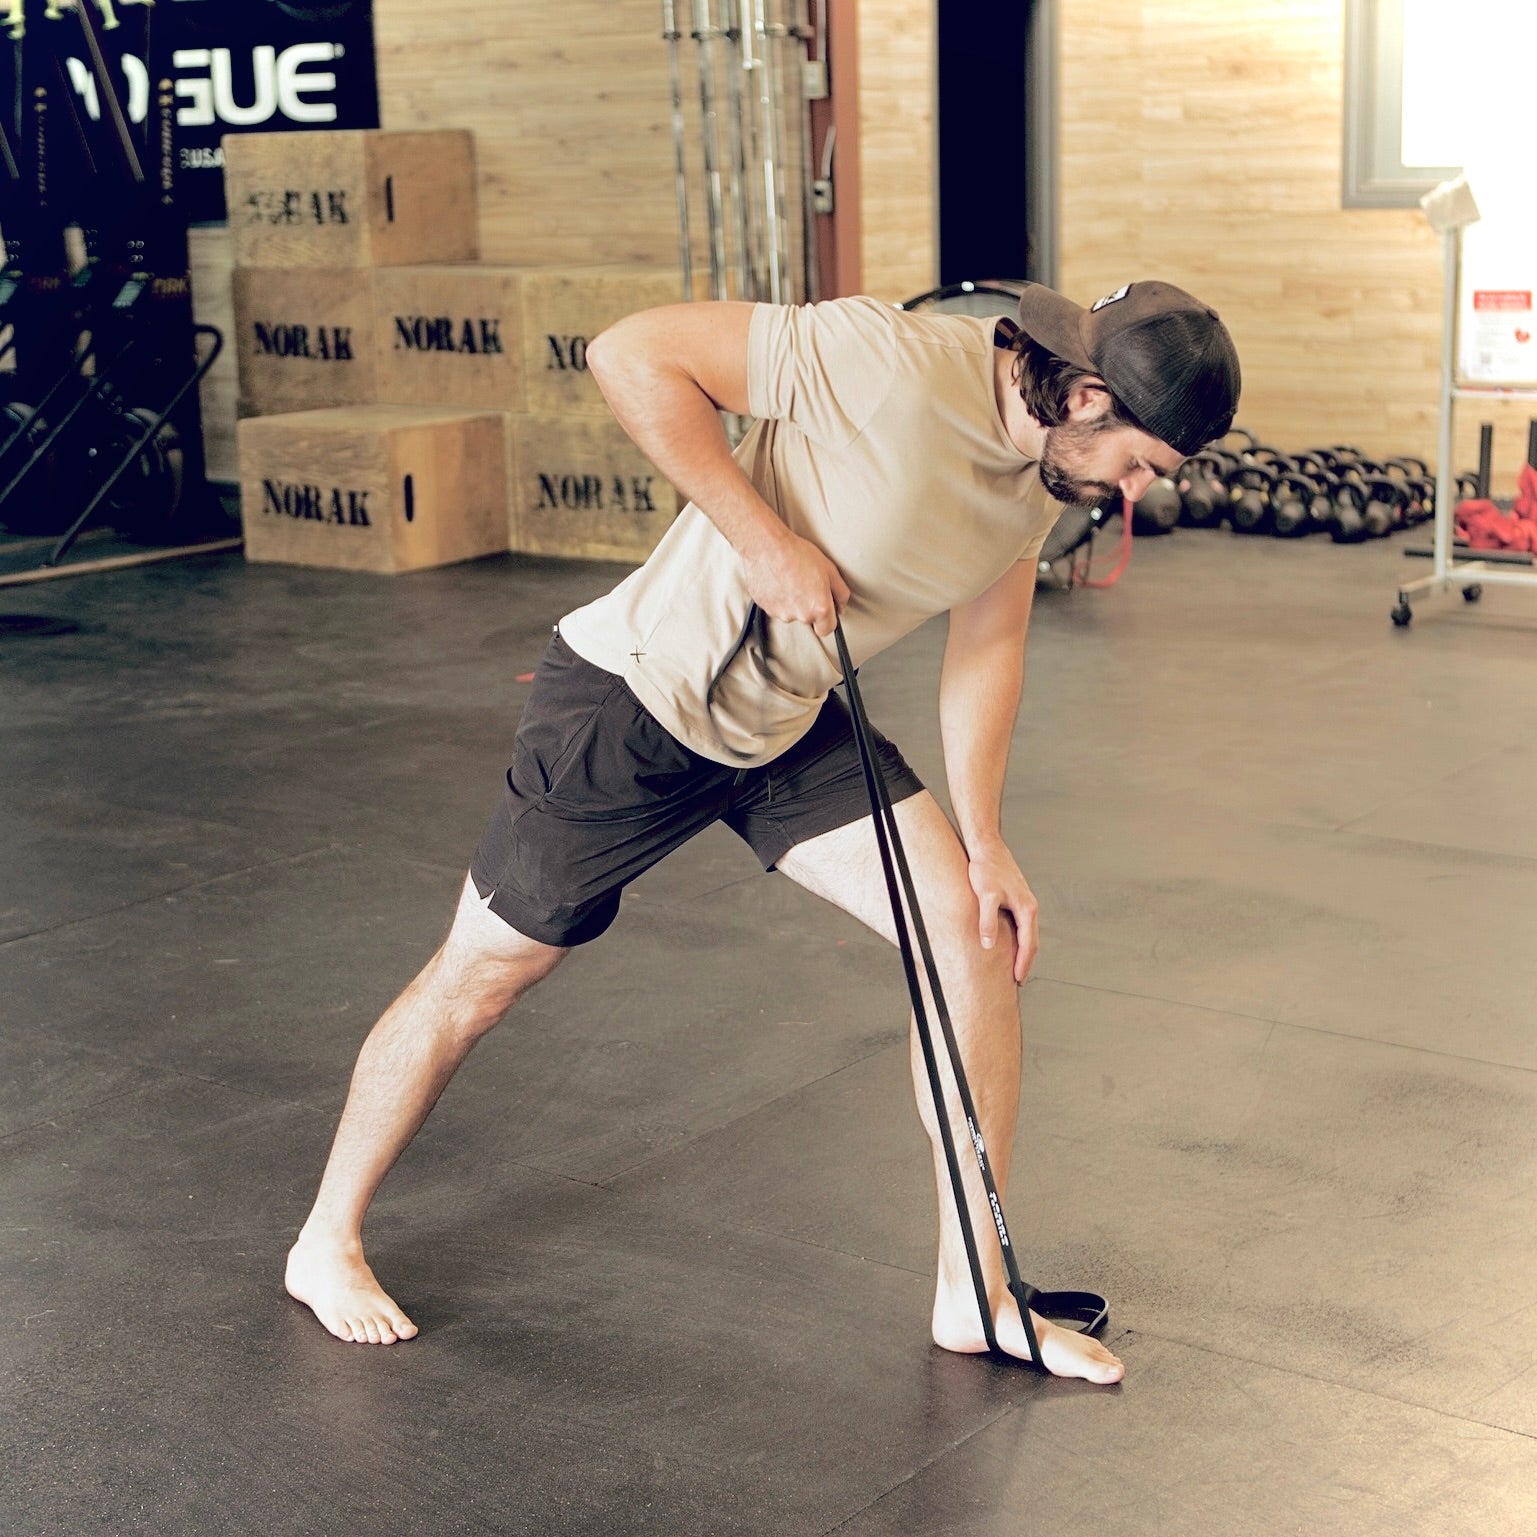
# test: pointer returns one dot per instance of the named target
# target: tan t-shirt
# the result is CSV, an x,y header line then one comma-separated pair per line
x,y
878,438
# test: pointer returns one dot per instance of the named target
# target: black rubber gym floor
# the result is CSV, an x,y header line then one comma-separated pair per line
x,y
669,1234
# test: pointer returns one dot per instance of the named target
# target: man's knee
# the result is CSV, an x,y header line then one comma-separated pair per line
x,y
953,917
477,988
485,965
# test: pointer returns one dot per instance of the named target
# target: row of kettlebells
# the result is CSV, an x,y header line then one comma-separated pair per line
x,y
1257,489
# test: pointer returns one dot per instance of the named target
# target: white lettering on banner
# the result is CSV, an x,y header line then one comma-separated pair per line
x,y
289,83
282,82
134,73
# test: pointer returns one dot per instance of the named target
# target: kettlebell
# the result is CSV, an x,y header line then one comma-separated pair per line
x,y
1202,490
1419,488
1157,510
1347,523
1384,505
1309,463
1249,509
1339,462
1291,505
1250,442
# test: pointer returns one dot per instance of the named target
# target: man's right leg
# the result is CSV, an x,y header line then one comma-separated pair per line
x,y
844,867
482,969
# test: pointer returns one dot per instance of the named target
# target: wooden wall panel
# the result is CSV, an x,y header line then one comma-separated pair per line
x,y
1201,142
897,147
570,106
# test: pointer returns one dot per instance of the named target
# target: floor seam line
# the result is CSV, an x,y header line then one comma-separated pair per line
x,y
902,1483
1286,1024
756,1230
1515,860
1436,784
747,1115
752,1229
174,891
1348,1387
95,1104
68,1112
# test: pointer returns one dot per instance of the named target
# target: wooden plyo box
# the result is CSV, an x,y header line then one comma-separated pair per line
x,y
563,309
351,198
450,335
374,488
581,488
303,339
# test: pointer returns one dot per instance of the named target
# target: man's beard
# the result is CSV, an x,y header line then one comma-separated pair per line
x,y
1063,457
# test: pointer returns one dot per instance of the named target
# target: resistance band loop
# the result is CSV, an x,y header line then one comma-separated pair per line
x,y
894,864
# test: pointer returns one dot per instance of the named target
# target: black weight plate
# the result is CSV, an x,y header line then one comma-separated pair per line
x,y
146,501
34,507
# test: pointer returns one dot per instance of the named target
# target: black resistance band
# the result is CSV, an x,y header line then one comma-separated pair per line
x,y
1087,1310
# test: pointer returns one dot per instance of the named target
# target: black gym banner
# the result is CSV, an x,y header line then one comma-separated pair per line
x,y
235,66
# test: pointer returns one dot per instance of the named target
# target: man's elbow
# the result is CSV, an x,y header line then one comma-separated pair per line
x,y
605,353
621,363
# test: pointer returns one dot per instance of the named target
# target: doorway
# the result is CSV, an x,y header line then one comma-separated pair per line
x,y
997,125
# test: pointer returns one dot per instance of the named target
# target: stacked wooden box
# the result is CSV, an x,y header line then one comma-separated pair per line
x,y
582,487
454,393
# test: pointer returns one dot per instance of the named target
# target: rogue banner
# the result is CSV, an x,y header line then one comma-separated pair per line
x,y
237,66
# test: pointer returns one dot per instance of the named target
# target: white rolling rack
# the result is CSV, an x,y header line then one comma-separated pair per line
x,y
1450,208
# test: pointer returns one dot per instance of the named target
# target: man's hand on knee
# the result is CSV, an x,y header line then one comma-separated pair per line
x,y
1001,889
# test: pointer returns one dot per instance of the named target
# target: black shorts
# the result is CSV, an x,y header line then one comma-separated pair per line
x,y
599,791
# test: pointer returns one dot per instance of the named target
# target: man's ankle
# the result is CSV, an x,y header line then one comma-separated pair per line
x,y
321,1235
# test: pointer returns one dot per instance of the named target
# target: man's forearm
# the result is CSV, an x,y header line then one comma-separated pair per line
x,y
979,691
667,374
672,417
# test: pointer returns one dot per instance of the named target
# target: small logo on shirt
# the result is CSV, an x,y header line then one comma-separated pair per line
x,y
1120,293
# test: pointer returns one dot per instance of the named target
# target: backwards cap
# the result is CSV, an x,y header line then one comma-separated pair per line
x,y
1166,356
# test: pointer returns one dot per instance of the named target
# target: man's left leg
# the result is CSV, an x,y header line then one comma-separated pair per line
x,y
844,867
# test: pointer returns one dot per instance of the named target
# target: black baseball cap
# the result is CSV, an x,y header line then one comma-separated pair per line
x,y
1167,358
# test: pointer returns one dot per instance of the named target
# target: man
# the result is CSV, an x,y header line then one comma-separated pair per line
x,y
900,466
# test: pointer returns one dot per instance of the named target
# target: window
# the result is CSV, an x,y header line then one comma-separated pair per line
x,y
1430,88
1383,77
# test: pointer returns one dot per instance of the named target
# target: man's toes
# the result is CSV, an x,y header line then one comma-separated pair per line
x,y
1106,1367
371,1331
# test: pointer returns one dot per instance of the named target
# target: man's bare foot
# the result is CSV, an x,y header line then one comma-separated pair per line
x,y
335,1283
1065,1352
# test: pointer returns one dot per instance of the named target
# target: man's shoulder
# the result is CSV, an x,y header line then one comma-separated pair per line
x,y
864,315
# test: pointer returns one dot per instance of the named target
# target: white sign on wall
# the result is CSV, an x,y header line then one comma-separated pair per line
x,y
1497,324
